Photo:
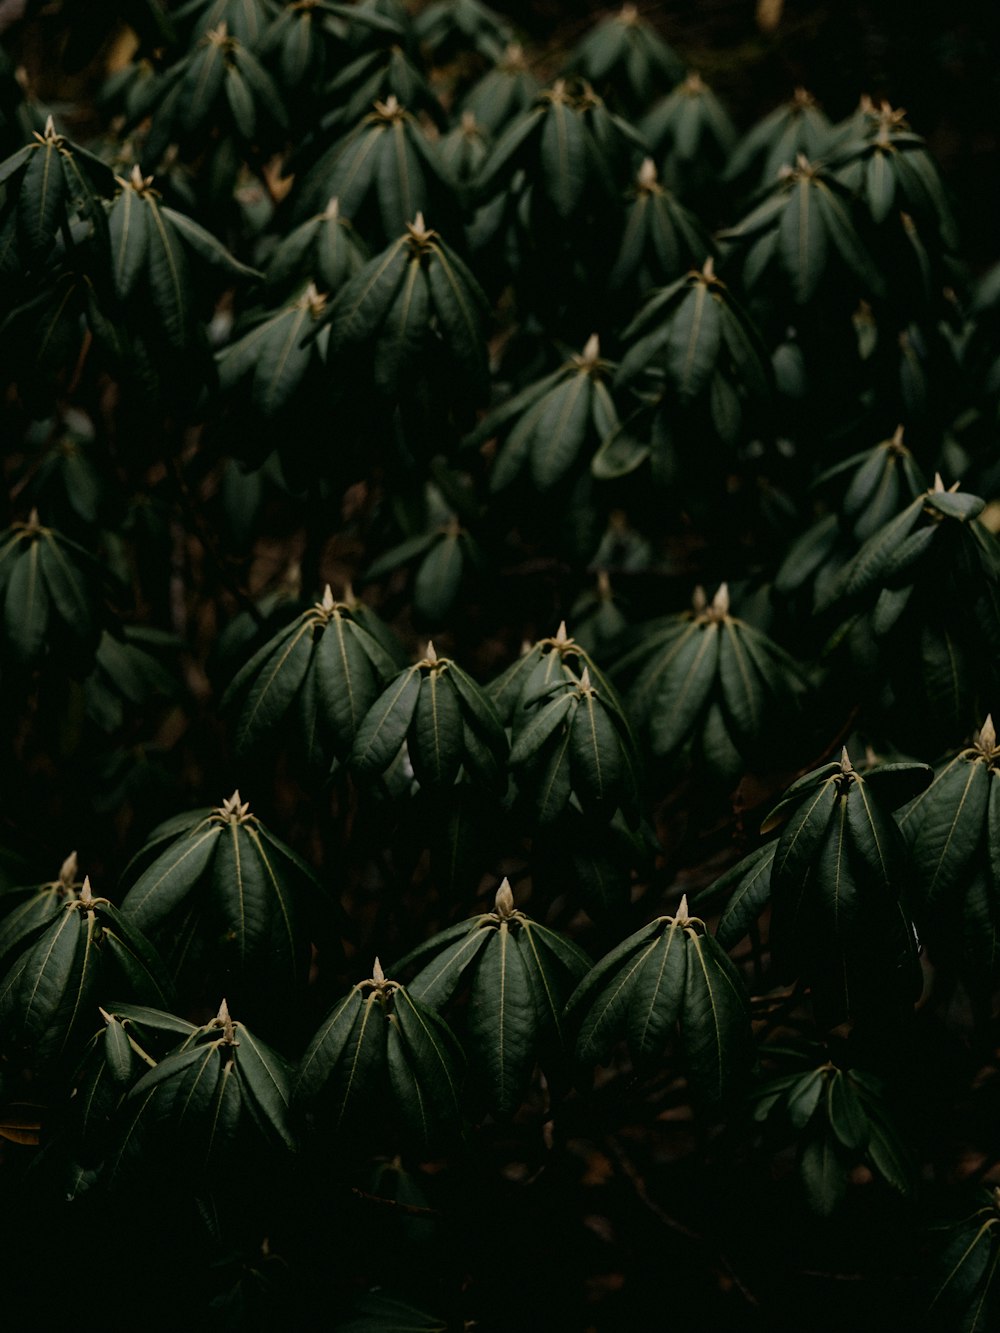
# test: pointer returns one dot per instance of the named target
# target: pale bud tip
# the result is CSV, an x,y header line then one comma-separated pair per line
x,y
68,869
224,1012
720,602
592,348
378,975
561,635
85,894
647,173
431,653
327,599
698,599
938,483
585,678
682,909
988,734
504,902
845,761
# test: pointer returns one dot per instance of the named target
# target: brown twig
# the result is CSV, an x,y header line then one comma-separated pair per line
x,y
642,1194
410,1209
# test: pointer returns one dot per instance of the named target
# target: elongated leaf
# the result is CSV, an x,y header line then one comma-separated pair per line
x,y
656,999
478,709
363,304
69,593
128,226
802,240
553,965
507,150
715,1019
867,566
327,1047
239,888
553,784
435,737
563,157
275,686
894,784
950,829
875,838
357,1073
41,201
596,757
502,1021
205,245
223,1119
560,429
692,347
26,605
140,964
540,725
743,690
803,835
155,1019
440,977
460,306
383,730
845,1113
266,1079
823,1174
684,690
171,877
434,1056
117,1052
408,1099
169,279
607,1010
804,1098
439,578
751,881
32,994
347,684
404,330
282,361
27,919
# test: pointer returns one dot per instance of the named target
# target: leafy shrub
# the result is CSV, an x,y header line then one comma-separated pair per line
x,y
303,298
